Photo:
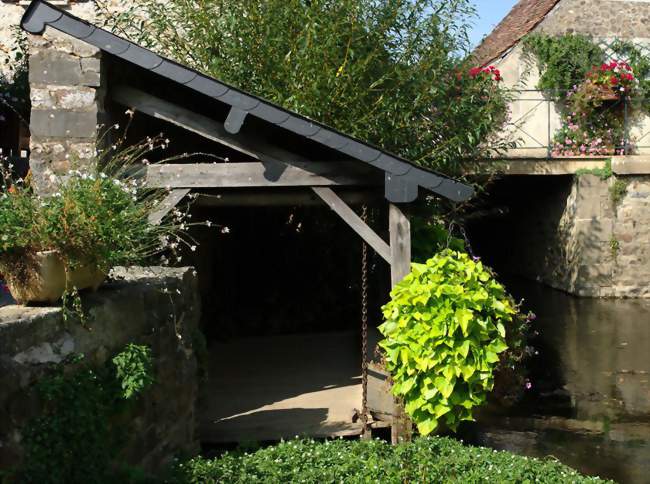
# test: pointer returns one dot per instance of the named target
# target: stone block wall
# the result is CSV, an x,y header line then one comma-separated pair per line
x,y
628,19
67,105
157,307
580,241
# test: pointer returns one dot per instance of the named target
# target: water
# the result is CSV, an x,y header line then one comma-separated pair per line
x,y
590,401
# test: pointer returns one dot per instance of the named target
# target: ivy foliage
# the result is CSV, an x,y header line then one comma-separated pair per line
x,y
563,61
425,460
446,330
133,368
391,73
72,441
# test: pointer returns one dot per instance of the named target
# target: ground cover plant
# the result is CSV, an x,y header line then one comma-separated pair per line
x,y
393,73
431,459
75,438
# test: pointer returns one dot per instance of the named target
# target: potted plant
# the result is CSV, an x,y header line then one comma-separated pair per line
x,y
67,241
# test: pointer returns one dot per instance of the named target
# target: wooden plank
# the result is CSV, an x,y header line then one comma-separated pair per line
x,y
246,197
353,220
400,250
400,244
172,199
254,174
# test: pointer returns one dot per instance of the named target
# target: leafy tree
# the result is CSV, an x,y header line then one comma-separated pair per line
x,y
391,72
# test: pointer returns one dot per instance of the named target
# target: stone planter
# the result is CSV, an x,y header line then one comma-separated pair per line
x,y
47,279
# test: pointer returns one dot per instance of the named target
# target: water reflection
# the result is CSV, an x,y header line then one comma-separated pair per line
x,y
590,403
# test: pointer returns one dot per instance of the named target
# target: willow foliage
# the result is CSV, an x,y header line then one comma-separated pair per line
x,y
391,72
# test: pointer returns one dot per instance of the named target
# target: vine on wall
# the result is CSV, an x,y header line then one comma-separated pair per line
x,y
599,96
73,439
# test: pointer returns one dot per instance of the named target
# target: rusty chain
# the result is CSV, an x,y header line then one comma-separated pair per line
x,y
364,331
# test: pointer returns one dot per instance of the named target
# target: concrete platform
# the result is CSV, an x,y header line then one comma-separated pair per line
x,y
277,387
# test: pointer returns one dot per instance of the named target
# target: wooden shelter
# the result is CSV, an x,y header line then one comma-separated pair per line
x,y
274,156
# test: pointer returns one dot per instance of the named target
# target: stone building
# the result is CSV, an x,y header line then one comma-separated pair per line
x,y
584,234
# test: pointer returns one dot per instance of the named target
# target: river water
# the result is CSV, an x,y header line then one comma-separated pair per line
x,y
589,405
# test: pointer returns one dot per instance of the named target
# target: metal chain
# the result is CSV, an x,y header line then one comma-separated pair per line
x,y
364,330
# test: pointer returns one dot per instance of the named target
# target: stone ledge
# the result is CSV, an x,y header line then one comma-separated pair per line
x,y
631,165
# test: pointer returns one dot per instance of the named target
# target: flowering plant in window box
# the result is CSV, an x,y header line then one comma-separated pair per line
x,y
51,246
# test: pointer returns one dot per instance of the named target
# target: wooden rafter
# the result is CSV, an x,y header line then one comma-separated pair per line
x,y
353,220
238,175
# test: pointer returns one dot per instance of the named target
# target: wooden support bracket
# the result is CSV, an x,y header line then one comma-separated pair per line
x,y
172,199
353,220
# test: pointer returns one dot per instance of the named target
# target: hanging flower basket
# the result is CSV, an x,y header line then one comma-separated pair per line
x,y
606,93
44,278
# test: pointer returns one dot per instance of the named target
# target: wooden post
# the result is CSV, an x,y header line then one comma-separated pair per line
x,y
400,250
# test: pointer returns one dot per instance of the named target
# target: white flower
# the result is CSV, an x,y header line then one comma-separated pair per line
x,y
193,248
208,223
225,230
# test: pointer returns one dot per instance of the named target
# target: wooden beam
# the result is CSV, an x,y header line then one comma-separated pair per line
x,y
179,116
172,199
400,251
353,220
400,244
254,174
271,197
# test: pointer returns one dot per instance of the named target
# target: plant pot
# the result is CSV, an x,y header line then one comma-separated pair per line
x,y
45,280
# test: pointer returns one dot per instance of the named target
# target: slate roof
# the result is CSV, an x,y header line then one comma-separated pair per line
x,y
401,175
521,20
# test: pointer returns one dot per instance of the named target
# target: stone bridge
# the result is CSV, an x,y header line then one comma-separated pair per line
x,y
581,225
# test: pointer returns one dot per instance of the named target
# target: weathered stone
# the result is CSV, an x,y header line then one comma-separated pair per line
x,y
64,124
69,45
52,67
156,306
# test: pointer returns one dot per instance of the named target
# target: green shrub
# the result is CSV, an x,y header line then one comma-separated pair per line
x,y
97,217
447,328
72,440
440,460
391,73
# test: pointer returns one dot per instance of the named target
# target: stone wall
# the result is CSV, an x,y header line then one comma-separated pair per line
x,y
576,239
157,307
601,18
67,104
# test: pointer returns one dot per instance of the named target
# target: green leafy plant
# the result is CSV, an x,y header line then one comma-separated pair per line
x,y
447,328
72,440
614,246
97,218
391,73
563,61
603,173
133,368
14,84
617,191
425,460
